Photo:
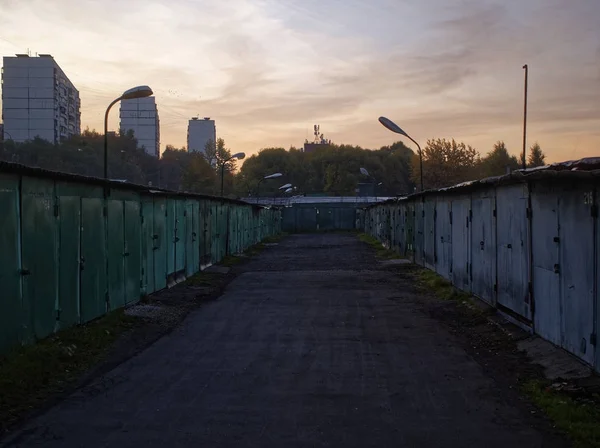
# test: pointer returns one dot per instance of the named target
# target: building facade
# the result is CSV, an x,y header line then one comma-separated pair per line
x,y
38,100
140,115
200,132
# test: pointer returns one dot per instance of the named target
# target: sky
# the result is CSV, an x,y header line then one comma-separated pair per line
x,y
268,70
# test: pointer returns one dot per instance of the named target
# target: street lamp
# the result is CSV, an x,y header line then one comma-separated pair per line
x,y
389,124
239,156
285,187
136,92
270,176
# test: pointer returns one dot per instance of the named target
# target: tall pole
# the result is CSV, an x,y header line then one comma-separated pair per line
x,y
420,160
106,136
525,119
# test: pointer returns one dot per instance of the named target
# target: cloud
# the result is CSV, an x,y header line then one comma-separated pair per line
x,y
267,70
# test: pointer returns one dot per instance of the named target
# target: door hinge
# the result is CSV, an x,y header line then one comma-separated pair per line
x,y
423,213
495,287
105,211
106,298
56,209
557,268
434,215
494,213
556,239
450,218
58,314
528,212
530,288
142,219
185,213
594,211
470,272
593,339
470,215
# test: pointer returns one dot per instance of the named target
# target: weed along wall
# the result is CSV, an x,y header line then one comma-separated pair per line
x,y
527,243
73,248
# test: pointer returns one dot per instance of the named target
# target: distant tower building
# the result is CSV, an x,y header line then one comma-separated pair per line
x,y
38,100
200,132
140,115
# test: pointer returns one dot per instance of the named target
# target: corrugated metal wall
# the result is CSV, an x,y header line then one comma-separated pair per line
x,y
70,251
303,217
528,248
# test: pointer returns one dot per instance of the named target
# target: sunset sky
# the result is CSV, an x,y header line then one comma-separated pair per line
x,y
268,70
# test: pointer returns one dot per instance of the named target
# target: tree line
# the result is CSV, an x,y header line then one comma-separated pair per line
x,y
333,169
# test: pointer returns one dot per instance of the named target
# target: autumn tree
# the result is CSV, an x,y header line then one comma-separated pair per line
x,y
445,163
498,161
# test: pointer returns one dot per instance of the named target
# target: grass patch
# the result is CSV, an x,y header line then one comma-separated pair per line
x,y
580,420
380,251
33,373
441,287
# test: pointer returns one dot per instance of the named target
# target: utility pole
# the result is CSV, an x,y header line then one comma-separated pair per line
x,y
525,119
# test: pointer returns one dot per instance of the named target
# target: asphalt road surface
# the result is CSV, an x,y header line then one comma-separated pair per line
x,y
314,344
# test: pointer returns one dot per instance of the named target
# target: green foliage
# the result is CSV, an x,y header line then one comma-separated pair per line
x,y
380,250
445,163
497,162
579,419
332,169
34,372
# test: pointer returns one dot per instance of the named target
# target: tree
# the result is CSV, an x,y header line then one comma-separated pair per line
x,y
445,163
198,176
498,161
536,156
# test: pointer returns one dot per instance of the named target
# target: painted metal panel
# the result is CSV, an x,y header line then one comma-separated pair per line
x,y
189,239
180,235
401,229
461,249
545,256
93,259
171,216
483,246
443,238
597,280
419,229
429,254
132,251
325,218
11,316
148,246
577,269
69,260
116,254
410,229
513,252
40,255
161,244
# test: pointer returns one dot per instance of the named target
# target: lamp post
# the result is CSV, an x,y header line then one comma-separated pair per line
x,y
239,156
282,190
390,125
526,68
6,132
135,92
270,176
364,172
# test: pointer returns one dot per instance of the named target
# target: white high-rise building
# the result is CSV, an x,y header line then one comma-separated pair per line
x,y
38,100
141,116
200,132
